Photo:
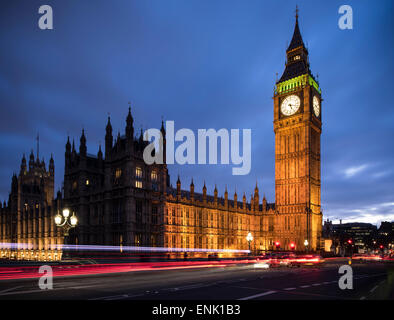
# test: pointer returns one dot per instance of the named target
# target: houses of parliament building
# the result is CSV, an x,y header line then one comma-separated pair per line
x,y
121,201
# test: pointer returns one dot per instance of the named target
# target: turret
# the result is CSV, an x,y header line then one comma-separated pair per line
x,y
192,190
256,197
68,146
235,200
23,165
163,145
215,194
204,192
141,139
264,204
226,197
129,126
108,138
244,201
178,188
31,160
82,146
100,153
51,166
67,154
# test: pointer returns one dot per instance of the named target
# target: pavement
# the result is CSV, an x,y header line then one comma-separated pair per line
x,y
371,281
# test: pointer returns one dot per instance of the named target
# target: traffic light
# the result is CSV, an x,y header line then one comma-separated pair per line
x,y
292,246
381,247
350,241
277,244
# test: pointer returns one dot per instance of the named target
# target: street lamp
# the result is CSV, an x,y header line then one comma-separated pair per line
x,y
66,222
249,238
306,243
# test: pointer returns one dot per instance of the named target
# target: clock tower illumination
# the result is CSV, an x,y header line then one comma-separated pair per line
x,y
297,127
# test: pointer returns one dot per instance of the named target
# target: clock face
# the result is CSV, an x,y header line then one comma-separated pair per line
x,y
316,106
290,105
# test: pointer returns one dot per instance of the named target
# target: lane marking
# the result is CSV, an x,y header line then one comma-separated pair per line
x,y
10,289
250,288
362,298
373,289
24,292
306,286
117,297
258,295
288,289
6,293
316,284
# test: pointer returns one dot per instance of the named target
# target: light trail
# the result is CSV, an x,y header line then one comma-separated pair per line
x,y
23,272
25,246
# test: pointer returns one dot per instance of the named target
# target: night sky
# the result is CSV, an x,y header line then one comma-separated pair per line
x,y
203,64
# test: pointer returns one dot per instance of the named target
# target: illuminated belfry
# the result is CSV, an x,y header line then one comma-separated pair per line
x,y
297,127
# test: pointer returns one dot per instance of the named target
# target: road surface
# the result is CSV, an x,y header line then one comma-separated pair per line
x,y
374,280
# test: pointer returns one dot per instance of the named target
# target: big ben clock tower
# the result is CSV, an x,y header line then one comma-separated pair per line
x,y
297,127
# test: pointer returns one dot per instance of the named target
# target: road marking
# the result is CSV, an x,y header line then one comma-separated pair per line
x,y
373,289
258,295
7,293
24,292
192,286
316,284
307,286
118,297
288,289
362,298
80,287
10,289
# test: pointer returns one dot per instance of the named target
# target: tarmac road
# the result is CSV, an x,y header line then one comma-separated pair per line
x,y
374,280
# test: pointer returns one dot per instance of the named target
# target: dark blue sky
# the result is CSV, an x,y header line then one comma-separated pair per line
x,y
203,64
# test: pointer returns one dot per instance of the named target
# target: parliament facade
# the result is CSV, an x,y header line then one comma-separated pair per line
x,y
121,201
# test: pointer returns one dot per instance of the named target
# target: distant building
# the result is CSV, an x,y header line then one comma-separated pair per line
x,y
361,234
385,235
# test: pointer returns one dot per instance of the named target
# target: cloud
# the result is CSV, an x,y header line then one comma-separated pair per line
x,y
381,174
352,171
374,214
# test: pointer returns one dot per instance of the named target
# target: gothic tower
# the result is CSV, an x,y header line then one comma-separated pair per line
x,y
297,127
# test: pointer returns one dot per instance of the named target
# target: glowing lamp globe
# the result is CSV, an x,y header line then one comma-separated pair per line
x,y
66,213
58,219
73,220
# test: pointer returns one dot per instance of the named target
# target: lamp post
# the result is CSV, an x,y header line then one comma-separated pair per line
x,y
66,222
249,238
306,243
